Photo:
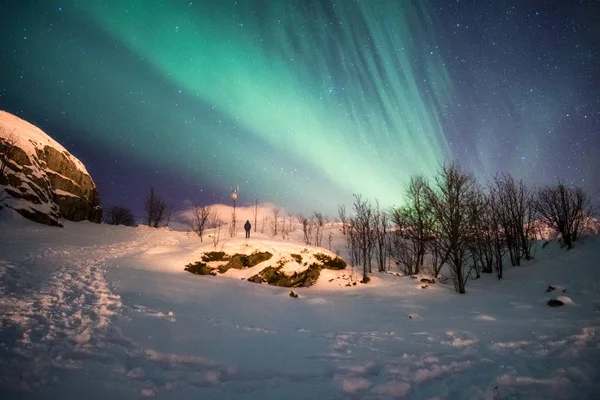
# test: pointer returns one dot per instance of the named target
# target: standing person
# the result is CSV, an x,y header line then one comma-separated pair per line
x,y
247,227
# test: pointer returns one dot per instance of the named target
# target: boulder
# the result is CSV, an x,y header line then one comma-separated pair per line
x,y
43,180
555,303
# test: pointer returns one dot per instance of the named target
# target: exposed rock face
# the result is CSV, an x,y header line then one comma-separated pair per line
x,y
43,180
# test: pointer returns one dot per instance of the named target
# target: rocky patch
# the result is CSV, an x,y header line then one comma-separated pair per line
x,y
276,277
292,271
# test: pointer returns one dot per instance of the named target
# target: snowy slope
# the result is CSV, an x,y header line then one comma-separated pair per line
x,y
96,311
31,138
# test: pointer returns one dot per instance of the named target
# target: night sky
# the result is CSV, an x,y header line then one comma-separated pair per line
x,y
305,103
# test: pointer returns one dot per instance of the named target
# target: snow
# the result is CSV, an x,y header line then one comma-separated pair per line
x,y
31,137
94,311
44,207
60,192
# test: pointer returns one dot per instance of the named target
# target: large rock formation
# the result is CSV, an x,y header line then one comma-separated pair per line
x,y
41,179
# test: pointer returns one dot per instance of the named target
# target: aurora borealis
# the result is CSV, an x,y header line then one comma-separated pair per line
x,y
303,104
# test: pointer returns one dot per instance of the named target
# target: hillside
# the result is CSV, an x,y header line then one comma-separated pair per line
x,y
96,311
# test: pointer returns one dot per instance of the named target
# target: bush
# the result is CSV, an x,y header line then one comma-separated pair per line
x,y
117,215
199,268
297,258
215,256
330,262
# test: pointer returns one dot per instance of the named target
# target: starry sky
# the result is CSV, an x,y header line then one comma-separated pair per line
x,y
305,103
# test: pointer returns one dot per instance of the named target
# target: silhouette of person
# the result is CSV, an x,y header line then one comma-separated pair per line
x,y
247,227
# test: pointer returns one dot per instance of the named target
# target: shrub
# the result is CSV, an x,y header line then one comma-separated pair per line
x,y
330,262
117,215
199,268
273,276
215,256
297,258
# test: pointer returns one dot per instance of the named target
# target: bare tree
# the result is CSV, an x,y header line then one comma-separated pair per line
x,y
168,213
380,231
450,199
414,226
343,218
405,250
564,209
514,205
330,239
215,223
275,221
290,222
307,227
497,234
255,214
201,216
362,233
155,208
283,229
352,243
479,240
8,147
439,255
319,224
117,215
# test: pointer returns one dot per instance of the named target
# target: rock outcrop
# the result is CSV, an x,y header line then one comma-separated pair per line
x,y
41,180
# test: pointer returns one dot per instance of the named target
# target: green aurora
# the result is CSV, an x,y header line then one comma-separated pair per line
x,y
301,103
355,113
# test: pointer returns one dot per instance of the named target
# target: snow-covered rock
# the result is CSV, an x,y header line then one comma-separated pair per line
x,y
41,179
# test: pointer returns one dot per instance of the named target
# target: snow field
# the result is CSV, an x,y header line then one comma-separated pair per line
x,y
96,311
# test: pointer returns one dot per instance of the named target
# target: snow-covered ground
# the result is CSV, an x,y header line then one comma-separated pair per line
x,y
93,311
